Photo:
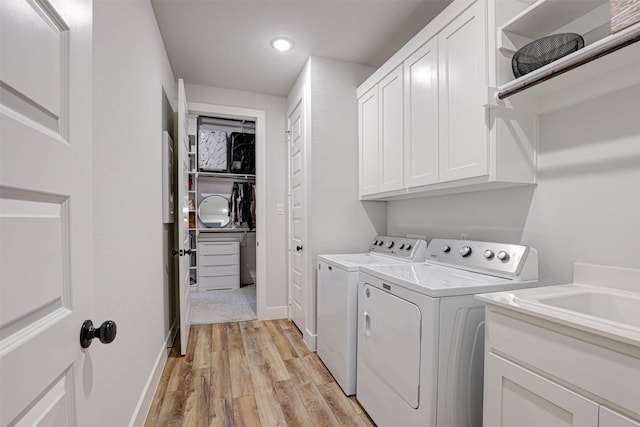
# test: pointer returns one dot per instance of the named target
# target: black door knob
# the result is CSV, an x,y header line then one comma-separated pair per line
x,y
106,333
175,252
188,251
298,248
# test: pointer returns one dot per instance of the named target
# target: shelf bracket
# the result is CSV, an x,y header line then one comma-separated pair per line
x,y
492,99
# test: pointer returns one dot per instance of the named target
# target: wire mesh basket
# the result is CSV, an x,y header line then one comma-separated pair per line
x,y
544,51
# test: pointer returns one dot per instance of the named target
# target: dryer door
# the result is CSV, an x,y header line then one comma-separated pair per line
x,y
391,341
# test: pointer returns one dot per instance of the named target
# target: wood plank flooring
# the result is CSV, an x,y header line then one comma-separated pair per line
x,y
253,373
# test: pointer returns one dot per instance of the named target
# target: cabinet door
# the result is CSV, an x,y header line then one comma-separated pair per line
x,y
369,129
421,116
463,87
391,131
609,418
517,397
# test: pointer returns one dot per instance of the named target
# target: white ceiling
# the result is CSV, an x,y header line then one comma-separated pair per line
x,y
226,43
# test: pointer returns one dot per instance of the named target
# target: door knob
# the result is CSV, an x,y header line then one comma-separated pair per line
x,y
106,333
181,252
298,248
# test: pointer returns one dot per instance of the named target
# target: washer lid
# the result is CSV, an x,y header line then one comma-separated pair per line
x,y
437,281
352,262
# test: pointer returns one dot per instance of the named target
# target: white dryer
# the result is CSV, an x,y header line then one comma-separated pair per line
x,y
421,332
337,301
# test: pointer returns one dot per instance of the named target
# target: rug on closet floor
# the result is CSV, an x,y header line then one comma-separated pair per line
x,y
228,305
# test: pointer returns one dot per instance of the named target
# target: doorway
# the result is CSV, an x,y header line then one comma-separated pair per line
x,y
227,298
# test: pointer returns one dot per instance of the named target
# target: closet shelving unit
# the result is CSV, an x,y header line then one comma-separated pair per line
x,y
199,182
230,177
193,182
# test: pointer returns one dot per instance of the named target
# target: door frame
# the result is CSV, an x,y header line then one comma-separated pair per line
x,y
259,116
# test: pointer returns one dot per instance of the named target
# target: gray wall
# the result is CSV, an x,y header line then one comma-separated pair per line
x,y
586,206
131,77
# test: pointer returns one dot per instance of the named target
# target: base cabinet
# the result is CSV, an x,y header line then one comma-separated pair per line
x,y
218,265
540,373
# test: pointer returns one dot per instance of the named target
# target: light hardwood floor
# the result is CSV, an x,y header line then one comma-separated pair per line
x,y
253,373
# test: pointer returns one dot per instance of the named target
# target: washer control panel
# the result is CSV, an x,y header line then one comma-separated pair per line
x,y
484,257
401,247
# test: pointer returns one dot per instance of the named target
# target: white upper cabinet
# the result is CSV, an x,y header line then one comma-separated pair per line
x,y
438,132
369,129
463,90
467,123
391,158
421,116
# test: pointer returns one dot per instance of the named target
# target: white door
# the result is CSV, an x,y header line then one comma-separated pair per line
x,y
391,131
369,130
182,243
46,244
297,214
421,116
462,54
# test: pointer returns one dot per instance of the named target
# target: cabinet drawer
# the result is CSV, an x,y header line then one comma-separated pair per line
x,y
218,282
219,270
205,260
218,248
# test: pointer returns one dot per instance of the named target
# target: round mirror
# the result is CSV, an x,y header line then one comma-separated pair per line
x,y
213,211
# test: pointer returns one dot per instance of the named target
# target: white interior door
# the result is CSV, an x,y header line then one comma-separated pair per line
x,y
46,244
182,217
297,233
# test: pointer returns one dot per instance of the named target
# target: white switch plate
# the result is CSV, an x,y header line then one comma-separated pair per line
x,y
279,209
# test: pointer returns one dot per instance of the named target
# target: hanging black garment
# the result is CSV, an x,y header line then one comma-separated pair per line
x,y
234,203
246,205
242,153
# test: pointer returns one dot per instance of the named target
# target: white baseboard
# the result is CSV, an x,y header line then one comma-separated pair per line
x,y
270,313
146,399
310,340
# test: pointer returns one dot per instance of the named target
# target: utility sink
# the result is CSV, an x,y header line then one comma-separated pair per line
x,y
602,300
607,305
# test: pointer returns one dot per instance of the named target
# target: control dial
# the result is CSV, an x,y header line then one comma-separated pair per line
x,y
380,242
446,249
503,256
488,254
465,251
408,248
401,246
390,244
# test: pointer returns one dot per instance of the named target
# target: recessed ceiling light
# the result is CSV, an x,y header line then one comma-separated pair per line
x,y
282,44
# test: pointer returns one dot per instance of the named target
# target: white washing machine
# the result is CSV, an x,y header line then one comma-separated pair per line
x,y
421,332
337,301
